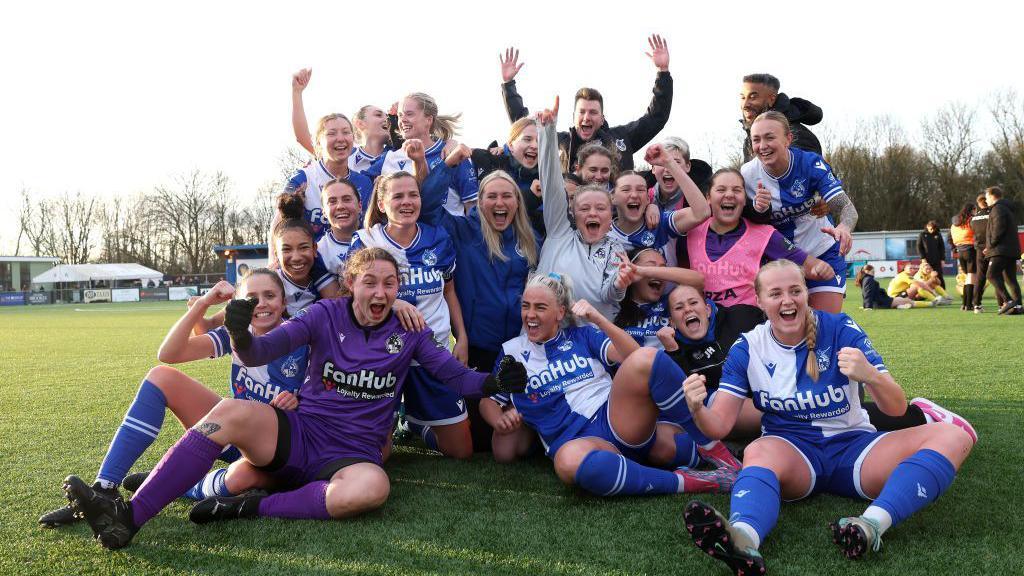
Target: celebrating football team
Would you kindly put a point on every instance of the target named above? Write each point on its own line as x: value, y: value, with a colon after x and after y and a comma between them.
x: 544, y: 297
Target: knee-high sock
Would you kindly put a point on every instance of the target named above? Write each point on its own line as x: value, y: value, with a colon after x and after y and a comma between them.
x: 426, y: 433
x: 610, y: 474
x: 686, y: 452
x: 939, y: 290
x: 968, y: 300
x: 755, y: 500
x: 137, y: 431
x: 883, y: 422
x: 922, y: 303
x: 181, y: 467
x: 914, y: 483
x: 666, y: 386
x: 212, y: 484
x: 308, y: 502
x: 925, y: 295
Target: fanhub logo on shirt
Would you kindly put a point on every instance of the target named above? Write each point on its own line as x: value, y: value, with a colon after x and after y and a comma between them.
x: 362, y: 385
x: 806, y: 405
x: 415, y: 276
x: 568, y: 371
x: 252, y: 388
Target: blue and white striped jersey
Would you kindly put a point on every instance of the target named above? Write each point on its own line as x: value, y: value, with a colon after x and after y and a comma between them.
x: 793, y: 196
x: 425, y: 265
x: 463, y: 187
x: 261, y: 383
x: 568, y: 380
x: 774, y: 375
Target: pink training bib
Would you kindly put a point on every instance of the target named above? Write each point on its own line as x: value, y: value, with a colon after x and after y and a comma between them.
x: 730, y: 279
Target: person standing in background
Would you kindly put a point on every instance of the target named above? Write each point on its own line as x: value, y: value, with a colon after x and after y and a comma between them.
x: 931, y: 248
x: 1003, y: 249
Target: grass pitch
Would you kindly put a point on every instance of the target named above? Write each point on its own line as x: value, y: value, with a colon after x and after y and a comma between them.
x: 68, y: 373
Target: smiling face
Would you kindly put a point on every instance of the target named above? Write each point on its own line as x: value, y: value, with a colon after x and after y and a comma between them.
x: 596, y: 169
x: 593, y: 214
x: 666, y: 183
x: 630, y: 199
x: 541, y: 314
x: 770, y: 143
x: 689, y: 312
x: 498, y: 203
x: 412, y: 122
x: 336, y: 140
x: 271, y: 304
x: 295, y: 254
x: 782, y: 294
x: 372, y: 122
x: 341, y: 203
x: 589, y: 117
x: 648, y: 290
x: 400, y: 202
x: 754, y: 99
x: 524, y: 147
x: 727, y: 198
x: 373, y: 292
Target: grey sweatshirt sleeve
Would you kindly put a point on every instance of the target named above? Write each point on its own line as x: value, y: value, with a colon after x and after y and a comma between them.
x: 556, y: 203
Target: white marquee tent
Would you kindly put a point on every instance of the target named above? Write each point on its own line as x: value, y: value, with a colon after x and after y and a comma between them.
x: 97, y: 272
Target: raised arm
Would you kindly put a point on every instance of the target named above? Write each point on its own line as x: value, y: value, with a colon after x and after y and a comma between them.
x: 644, y: 129
x: 259, y: 350
x: 697, y: 208
x: 180, y: 345
x: 555, y: 200
x: 299, y: 123
x: 622, y: 343
x: 672, y: 274
x: 510, y: 66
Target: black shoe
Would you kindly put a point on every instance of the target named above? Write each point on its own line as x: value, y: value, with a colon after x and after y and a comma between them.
x: 855, y: 535
x: 110, y: 517
x: 132, y: 481
x: 217, y: 508
x: 1009, y: 306
x: 712, y: 534
x: 66, y: 515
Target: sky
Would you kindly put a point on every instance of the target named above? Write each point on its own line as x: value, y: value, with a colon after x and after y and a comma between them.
x: 113, y: 98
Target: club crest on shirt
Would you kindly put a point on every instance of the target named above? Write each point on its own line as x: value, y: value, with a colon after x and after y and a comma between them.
x: 824, y: 359
x: 647, y: 238
x: 600, y: 252
x: 429, y: 257
x: 290, y: 367
x: 798, y: 189
x: 394, y: 344
x: 658, y: 308
x: 565, y: 346
x: 621, y: 144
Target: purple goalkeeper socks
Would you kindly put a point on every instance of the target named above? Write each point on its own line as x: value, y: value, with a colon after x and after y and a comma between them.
x: 306, y: 503
x: 180, y: 468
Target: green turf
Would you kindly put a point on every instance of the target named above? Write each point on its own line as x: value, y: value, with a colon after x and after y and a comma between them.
x: 68, y: 375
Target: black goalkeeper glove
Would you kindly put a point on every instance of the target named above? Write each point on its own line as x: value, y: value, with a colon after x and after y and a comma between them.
x: 510, y: 379
x: 237, y: 316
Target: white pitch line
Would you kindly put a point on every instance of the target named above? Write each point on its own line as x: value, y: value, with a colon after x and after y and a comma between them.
x: 119, y: 309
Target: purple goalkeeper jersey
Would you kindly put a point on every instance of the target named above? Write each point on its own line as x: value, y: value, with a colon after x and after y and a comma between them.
x: 356, y: 373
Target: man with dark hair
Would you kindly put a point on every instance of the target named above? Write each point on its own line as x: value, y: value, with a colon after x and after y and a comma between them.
x: 589, y: 121
x: 932, y: 249
x: 1003, y: 249
x: 760, y: 93
x: 979, y: 225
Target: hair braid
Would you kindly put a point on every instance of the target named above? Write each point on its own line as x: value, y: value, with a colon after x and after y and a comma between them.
x: 811, y: 334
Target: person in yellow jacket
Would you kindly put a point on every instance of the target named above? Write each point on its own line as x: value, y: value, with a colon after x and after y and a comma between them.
x: 904, y: 284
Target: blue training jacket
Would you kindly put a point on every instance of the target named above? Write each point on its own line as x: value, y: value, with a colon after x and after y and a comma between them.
x: 489, y: 292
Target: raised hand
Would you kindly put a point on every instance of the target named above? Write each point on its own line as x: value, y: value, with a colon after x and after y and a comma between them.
x: 763, y: 198
x: 842, y: 235
x: 546, y: 117
x: 301, y: 79
x: 510, y: 379
x: 221, y: 292
x: 667, y: 336
x: 237, y: 316
x: 627, y: 272
x: 585, y: 310
x: 655, y: 155
x: 535, y: 188
x: 413, y: 148
x: 457, y: 155
x: 820, y: 270
x: 854, y: 365
x: 659, y: 52
x: 695, y: 388
x: 510, y: 64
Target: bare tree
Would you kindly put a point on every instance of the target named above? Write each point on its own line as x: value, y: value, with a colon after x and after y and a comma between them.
x: 188, y: 211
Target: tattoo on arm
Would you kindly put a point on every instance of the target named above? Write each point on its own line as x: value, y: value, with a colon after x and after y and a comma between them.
x: 207, y: 428
x: 842, y: 207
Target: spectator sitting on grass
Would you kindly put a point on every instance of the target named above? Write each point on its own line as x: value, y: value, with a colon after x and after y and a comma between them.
x: 932, y: 278
x: 875, y: 297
